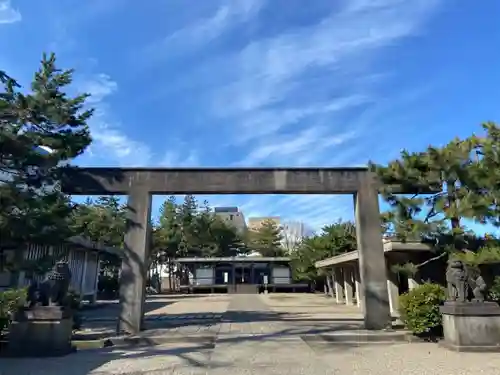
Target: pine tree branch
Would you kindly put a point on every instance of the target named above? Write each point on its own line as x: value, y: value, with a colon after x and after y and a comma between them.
x: 442, y: 255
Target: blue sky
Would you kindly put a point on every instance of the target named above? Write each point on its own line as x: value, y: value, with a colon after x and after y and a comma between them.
x: 266, y: 83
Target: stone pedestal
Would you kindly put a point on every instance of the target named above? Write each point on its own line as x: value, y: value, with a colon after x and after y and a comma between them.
x: 471, y: 327
x: 43, y: 331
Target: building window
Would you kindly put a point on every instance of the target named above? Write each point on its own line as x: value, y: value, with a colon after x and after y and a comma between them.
x: 231, y: 217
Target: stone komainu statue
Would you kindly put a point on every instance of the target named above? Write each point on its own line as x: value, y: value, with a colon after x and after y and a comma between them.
x: 460, y: 280
x: 456, y: 280
x: 478, y: 286
x: 53, y: 290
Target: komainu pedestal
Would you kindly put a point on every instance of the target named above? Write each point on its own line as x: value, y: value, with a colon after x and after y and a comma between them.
x: 471, y: 326
x: 41, y: 331
x: 44, y: 328
x: 469, y: 322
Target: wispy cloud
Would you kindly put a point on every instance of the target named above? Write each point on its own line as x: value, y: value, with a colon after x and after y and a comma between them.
x: 174, y: 159
x: 286, y: 97
x: 110, y: 139
x: 111, y: 143
x: 315, y: 210
x: 262, y: 123
x: 282, y: 150
x: 8, y: 14
x: 295, y: 94
x: 271, y: 86
x: 205, y: 30
x: 99, y: 87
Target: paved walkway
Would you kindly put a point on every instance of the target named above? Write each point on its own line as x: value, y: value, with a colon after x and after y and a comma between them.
x: 265, y: 335
x: 180, y: 315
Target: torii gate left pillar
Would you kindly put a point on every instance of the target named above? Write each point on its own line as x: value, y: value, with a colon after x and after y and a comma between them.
x: 135, y: 261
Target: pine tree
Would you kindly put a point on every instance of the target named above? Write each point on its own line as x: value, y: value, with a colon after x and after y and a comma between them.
x: 486, y: 182
x: 267, y: 239
x: 334, y: 239
x: 338, y: 238
x: 102, y: 221
x: 188, y: 212
x: 32, y: 207
x: 226, y: 239
x: 167, y: 236
x: 213, y: 237
x: 303, y: 259
x: 434, y: 218
x: 200, y: 232
x: 169, y: 230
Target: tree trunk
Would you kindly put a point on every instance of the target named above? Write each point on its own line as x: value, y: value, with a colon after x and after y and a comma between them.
x: 452, y: 203
x: 170, y: 274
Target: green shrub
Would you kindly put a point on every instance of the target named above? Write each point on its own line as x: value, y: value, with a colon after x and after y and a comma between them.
x: 10, y: 301
x: 494, y: 292
x: 419, y: 308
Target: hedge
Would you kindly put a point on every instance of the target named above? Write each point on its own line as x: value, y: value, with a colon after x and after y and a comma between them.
x: 419, y: 308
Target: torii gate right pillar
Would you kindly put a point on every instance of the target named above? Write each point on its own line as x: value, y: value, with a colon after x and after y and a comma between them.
x: 372, y: 268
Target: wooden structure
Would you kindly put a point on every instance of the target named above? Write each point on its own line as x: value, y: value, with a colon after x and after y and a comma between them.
x: 83, y: 257
x: 239, y: 275
x: 343, y: 280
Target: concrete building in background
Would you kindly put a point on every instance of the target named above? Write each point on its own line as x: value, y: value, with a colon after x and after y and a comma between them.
x: 254, y: 223
x: 232, y: 216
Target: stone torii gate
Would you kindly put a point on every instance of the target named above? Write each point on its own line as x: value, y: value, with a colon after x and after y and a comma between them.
x: 141, y: 183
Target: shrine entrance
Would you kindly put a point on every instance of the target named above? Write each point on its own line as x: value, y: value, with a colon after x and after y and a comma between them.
x: 141, y: 183
x: 224, y: 275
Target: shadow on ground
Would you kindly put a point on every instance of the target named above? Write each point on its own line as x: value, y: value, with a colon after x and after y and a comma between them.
x: 170, y: 321
x: 111, y: 309
x: 195, y: 354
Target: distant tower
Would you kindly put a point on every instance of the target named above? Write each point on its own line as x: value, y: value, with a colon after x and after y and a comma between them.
x: 232, y: 216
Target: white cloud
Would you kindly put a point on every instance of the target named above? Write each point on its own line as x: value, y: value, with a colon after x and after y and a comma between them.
x: 229, y: 14
x: 285, y: 97
x: 268, y: 93
x: 205, y: 30
x: 282, y: 150
x: 258, y: 79
x: 8, y: 14
x: 99, y: 87
x: 314, y: 210
x: 115, y: 145
x: 110, y: 142
x: 174, y: 159
x: 260, y: 124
